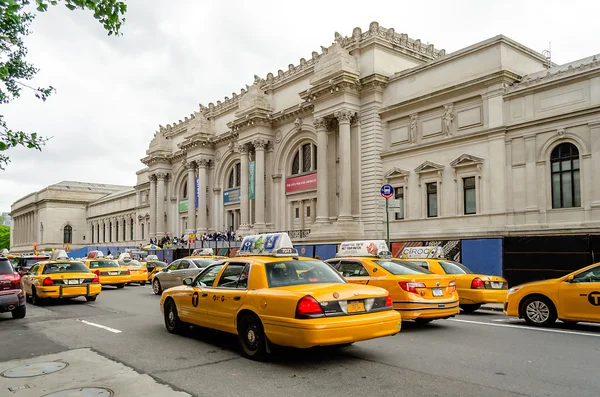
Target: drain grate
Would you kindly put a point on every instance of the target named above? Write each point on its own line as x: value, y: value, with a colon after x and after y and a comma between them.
x: 82, y: 392
x: 37, y: 369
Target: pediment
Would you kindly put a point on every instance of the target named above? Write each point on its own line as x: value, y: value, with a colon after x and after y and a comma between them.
x: 466, y: 160
x: 396, y: 173
x: 429, y: 166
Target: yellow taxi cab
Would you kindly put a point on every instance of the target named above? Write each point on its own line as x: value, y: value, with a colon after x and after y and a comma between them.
x: 60, y: 277
x: 137, y: 272
x: 268, y: 295
x: 108, y: 270
x: 474, y: 290
x: 572, y: 298
x: 418, y: 294
x: 153, y: 265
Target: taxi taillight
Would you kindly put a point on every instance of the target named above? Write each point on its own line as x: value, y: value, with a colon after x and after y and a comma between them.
x: 410, y: 286
x: 128, y: 272
x: 97, y: 272
x: 452, y: 286
x: 308, y: 307
x: 96, y: 277
x: 389, y: 301
x: 47, y: 281
x: 477, y: 283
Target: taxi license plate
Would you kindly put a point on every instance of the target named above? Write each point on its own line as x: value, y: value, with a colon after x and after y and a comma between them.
x: 496, y: 285
x: 356, y: 307
x: 113, y: 273
x: 437, y: 292
x: 75, y: 281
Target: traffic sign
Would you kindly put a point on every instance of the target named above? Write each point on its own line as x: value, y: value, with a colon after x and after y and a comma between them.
x: 387, y: 191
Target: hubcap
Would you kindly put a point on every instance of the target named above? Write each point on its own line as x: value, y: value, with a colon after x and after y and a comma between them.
x: 251, y: 336
x: 538, y: 311
x: 171, y: 315
x: 156, y: 286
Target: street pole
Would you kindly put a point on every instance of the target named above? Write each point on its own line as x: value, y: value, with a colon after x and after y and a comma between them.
x: 387, y: 222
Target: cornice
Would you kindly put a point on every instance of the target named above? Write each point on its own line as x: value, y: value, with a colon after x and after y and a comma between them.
x: 292, y: 112
x: 337, y: 85
x: 227, y: 137
x: 253, y: 119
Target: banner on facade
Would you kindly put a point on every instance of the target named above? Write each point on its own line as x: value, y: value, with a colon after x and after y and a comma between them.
x: 197, y: 192
x: 252, y: 180
x: 231, y: 196
x: 299, y: 183
x: 183, y: 205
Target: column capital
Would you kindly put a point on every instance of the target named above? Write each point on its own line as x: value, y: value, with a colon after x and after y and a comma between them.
x: 243, y: 149
x: 162, y: 176
x: 203, y: 163
x: 344, y: 116
x: 260, y: 144
x: 152, y: 177
x: 190, y: 165
x: 320, y: 123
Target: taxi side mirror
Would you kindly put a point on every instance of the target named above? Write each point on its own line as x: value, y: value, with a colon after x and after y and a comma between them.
x: 187, y: 281
x: 570, y: 279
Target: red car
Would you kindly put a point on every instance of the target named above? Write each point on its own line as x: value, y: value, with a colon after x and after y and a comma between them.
x: 12, y: 298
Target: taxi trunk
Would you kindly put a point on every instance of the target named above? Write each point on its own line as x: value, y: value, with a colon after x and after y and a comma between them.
x: 67, y: 286
x: 424, y: 297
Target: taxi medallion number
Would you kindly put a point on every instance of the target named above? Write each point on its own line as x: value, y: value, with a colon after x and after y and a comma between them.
x: 356, y: 307
x: 437, y: 292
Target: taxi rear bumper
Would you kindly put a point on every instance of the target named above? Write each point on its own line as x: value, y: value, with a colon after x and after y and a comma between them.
x: 331, y: 331
x: 427, y: 310
x: 68, y: 291
x: 115, y: 280
x: 477, y: 296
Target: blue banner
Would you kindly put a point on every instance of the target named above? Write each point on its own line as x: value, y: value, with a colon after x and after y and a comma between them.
x: 231, y: 196
x: 252, y: 180
x: 197, y: 192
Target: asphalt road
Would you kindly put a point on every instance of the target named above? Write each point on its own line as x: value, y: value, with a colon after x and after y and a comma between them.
x: 484, y: 354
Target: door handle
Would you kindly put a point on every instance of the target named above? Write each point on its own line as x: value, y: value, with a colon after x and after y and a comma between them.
x: 204, y: 295
x: 237, y: 298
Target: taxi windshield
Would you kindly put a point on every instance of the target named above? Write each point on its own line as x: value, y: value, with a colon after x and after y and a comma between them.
x: 99, y: 264
x: 65, y: 267
x: 297, y: 272
x: 454, y: 268
x: 202, y: 263
x: 397, y: 267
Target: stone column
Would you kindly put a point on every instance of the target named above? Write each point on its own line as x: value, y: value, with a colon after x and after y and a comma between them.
x: 345, y: 212
x: 322, y: 171
x: 290, y: 215
x: 152, y: 232
x: 191, y: 197
x: 259, y: 172
x: 312, y: 210
x: 160, y: 204
x: 275, y: 202
x: 202, y: 170
x: 244, y: 193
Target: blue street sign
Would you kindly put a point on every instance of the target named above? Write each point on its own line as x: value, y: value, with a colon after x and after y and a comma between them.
x: 387, y: 192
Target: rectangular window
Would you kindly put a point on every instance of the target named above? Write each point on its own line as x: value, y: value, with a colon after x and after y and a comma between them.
x: 469, y: 196
x: 308, y: 211
x: 432, y: 200
x: 297, y: 213
x: 399, y: 195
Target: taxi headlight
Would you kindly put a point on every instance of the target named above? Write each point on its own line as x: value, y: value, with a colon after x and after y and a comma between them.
x: 513, y: 290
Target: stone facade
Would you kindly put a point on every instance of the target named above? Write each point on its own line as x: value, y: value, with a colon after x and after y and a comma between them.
x: 490, y: 140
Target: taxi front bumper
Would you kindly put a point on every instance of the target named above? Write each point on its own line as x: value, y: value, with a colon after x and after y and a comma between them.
x: 511, y: 307
x: 68, y: 291
x: 427, y: 310
x: 331, y: 331
x: 115, y: 280
x: 477, y: 296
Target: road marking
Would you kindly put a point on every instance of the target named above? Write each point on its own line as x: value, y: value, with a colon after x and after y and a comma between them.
x: 500, y: 321
x: 116, y: 331
x: 557, y: 331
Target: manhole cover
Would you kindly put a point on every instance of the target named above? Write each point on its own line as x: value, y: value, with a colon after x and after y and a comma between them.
x: 82, y: 392
x: 29, y: 370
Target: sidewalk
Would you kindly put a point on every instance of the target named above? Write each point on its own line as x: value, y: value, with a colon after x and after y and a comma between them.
x: 81, y: 371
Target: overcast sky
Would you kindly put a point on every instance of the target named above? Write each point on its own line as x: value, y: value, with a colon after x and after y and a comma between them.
x: 113, y: 92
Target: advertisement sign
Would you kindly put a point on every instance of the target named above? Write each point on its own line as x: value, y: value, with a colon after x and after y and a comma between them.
x: 299, y: 183
x: 231, y: 196
x: 275, y: 244
x: 422, y: 252
x: 376, y: 248
x: 197, y: 192
x: 183, y: 205
x: 252, y: 179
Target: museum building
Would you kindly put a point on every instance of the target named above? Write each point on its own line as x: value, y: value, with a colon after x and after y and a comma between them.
x: 488, y: 141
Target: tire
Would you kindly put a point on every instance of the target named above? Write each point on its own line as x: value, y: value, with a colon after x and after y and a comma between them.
x: 252, y: 338
x: 172, y: 322
x: 467, y: 309
x: 538, y: 311
x: 142, y: 283
x: 119, y: 286
x: 423, y: 320
x: 35, y: 299
x: 19, y: 312
x: 90, y: 298
x: 156, y: 287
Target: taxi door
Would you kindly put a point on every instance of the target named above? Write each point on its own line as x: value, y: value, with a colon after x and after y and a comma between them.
x: 195, y: 301
x: 28, y: 279
x: 580, y: 298
x: 354, y: 271
x: 227, y: 295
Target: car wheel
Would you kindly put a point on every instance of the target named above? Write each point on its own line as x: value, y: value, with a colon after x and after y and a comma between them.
x: 19, y: 312
x: 470, y: 308
x: 539, y: 311
x: 35, y: 299
x: 142, y: 283
x: 156, y: 287
x: 90, y: 298
x: 121, y: 285
x: 172, y: 322
x: 252, y: 337
x: 423, y: 320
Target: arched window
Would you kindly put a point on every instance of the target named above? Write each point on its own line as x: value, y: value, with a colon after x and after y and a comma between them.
x: 93, y: 229
x: 124, y: 231
x: 110, y: 232
x: 564, y: 162
x: 98, y: 233
x: 68, y: 234
x: 117, y: 231
x: 104, y: 232
x: 131, y: 229
x: 142, y: 227
x: 305, y: 159
x: 185, y: 190
x: 235, y: 175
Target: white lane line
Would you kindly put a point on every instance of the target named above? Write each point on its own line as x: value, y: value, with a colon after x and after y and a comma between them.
x: 526, y: 328
x: 116, y: 331
x: 500, y: 321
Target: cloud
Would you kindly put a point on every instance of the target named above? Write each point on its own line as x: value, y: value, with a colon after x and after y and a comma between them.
x: 113, y: 92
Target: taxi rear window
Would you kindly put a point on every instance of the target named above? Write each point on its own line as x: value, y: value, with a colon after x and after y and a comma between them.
x: 99, y: 264
x: 66, y: 267
x: 296, y: 272
x: 454, y: 268
x: 397, y: 267
x: 129, y: 263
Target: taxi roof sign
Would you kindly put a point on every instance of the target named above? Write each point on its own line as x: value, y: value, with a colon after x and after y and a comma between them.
x: 271, y: 244
x: 124, y: 256
x: 96, y: 254
x: 152, y: 258
x: 59, y: 255
x: 203, y: 252
x: 373, y: 248
x: 431, y: 252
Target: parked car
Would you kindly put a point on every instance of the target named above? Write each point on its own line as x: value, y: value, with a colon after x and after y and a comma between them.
x: 11, y: 290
